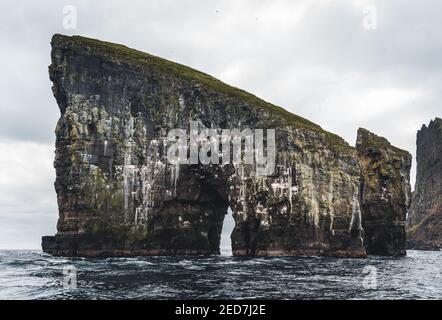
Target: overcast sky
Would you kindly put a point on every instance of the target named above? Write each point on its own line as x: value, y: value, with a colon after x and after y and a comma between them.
x: 315, y: 58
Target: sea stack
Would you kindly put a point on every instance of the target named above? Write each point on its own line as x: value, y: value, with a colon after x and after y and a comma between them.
x: 385, y: 194
x: 118, y: 195
x: 425, y: 216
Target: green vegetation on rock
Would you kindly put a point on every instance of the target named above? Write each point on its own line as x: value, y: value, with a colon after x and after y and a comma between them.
x: 120, y: 53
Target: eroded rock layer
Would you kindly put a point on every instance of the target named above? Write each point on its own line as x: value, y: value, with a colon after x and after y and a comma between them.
x: 425, y: 216
x: 385, y: 195
x: 119, y: 195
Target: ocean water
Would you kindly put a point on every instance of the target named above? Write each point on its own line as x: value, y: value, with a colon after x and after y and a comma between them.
x: 35, y: 275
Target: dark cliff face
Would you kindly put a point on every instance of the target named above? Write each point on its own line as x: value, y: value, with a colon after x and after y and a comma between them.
x: 386, y: 194
x: 425, y: 216
x: 118, y: 194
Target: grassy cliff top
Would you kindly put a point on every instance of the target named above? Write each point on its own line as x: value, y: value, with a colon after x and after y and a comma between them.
x: 117, y: 52
x: 367, y: 138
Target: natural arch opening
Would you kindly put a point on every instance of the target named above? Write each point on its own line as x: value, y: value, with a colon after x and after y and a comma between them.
x: 226, y: 241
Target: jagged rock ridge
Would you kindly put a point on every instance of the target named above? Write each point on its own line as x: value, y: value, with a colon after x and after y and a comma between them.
x: 118, y: 195
x: 425, y: 216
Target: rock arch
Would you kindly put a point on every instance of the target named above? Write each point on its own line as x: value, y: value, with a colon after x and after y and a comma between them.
x: 118, y: 195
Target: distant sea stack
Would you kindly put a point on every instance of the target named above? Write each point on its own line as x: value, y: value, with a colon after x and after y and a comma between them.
x: 425, y: 216
x: 118, y: 195
x: 386, y: 194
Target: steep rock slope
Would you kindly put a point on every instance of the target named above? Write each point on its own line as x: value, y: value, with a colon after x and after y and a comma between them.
x: 386, y: 194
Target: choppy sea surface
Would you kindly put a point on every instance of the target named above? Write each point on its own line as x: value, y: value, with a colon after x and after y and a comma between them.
x: 34, y: 275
